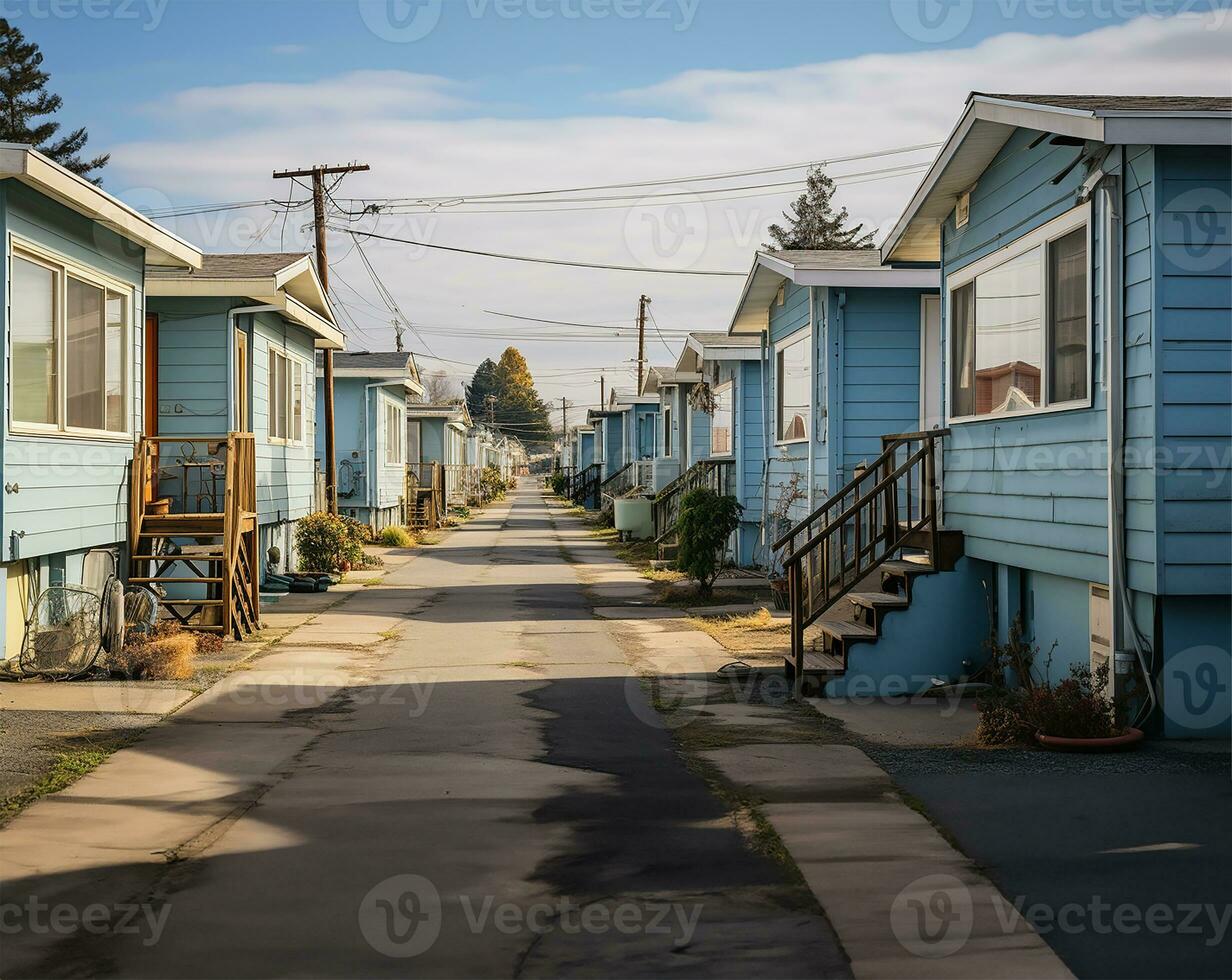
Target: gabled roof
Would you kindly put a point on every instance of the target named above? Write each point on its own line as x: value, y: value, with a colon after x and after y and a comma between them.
x: 622, y: 399
x: 286, y: 280
x: 988, y: 121
x: 710, y: 345
x: 822, y: 267
x: 380, y: 365
x: 665, y: 375
x: 25, y: 164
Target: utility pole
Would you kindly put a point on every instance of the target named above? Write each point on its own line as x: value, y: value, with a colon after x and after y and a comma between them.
x: 398, y: 329
x: 490, y: 401
x: 642, y: 303
x: 318, y: 175
x: 602, y: 392
x: 564, y: 418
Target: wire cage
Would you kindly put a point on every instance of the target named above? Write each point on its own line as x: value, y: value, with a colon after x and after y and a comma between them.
x: 63, y: 632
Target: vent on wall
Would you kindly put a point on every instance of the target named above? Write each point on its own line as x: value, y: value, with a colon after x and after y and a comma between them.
x: 962, y: 210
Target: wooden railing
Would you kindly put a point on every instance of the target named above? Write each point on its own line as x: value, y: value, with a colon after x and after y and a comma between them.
x: 893, y: 498
x: 193, y: 522
x: 424, y: 480
x: 620, y: 482
x: 717, y: 474
x: 461, y: 482
x: 584, y: 485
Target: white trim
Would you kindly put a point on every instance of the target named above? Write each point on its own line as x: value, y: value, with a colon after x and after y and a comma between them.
x: 47, y: 177
x: 1045, y: 234
x: 729, y: 384
x: 939, y: 353
x: 803, y: 334
x: 64, y: 266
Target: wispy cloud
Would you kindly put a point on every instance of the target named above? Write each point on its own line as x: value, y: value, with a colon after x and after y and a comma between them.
x: 288, y: 49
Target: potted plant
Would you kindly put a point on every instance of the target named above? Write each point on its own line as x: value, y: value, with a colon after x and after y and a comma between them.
x: 791, y: 492
x: 1024, y: 707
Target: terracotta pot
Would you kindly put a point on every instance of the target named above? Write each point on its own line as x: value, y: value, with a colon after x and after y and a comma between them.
x: 1117, y: 743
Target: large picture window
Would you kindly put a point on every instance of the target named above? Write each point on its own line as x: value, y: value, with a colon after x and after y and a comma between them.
x: 69, y: 356
x: 791, y: 380
x: 721, y: 423
x: 1019, y: 325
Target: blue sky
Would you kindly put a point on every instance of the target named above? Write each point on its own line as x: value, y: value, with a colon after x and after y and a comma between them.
x: 199, y: 100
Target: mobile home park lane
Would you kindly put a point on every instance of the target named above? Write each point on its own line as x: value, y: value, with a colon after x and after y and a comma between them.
x: 499, y: 751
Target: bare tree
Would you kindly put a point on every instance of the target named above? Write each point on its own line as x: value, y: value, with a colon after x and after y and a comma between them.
x: 440, y: 388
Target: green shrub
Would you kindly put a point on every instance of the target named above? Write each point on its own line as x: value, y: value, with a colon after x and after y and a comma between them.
x: 560, y: 483
x: 395, y: 537
x: 326, y: 542
x: 491, y: 484
x: 705, y: 522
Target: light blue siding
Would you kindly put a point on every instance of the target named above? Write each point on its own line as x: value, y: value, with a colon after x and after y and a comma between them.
x: 285, y: 472
x: 432, y: 440
x: 73, y: 490
x: 586, y: 450
x: 193, y: 366
x: 1028, y: 491
x: 880, y: 372
x: 1194, y: 415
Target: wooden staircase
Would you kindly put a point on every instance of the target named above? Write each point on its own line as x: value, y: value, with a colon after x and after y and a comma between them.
x: 423, y: 499
x: 584, y: 485
x: 854, y: 560
x: 193, y: 529
x: 717, y: 474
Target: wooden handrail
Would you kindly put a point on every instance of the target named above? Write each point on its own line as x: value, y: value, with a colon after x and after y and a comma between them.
x: 889, y: 444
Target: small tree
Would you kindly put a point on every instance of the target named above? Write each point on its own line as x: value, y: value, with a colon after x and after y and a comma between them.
x: 814, y: 224
x: 705, y: 522
x: 24, y: 100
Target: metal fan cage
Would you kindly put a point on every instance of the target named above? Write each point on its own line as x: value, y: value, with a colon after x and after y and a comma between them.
x: 63, y: 633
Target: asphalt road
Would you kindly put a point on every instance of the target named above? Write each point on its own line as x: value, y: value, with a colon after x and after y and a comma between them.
x: 483, y: 798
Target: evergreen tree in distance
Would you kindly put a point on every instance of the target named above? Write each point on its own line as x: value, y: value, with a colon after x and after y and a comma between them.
x: 503, y: 392
x: 25, y: 102
x: 814, y: 224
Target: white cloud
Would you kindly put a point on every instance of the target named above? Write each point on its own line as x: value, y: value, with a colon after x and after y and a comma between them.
x: 288, y: 49
x: 694, y: 122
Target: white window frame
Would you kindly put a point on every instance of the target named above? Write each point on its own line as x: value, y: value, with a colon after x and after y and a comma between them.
x: 63, y: 267
x: 1043, y: 236
x: 395, y: 420
x: 727, y: 387
x: 804, y: 335
x: 293, y: 437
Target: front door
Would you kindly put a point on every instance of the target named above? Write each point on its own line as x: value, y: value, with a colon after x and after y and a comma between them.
x: 241, y: 381
x: 930, y: 363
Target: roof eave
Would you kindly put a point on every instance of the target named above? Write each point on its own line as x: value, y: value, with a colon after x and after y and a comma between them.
x: 162, y: 248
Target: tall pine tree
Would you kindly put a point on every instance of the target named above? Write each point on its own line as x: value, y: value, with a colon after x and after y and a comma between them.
x: 25, y: 101
x: 814, y: 224
x: 504, y: 392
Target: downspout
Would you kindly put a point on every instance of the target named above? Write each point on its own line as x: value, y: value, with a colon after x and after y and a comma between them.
x: 814, y: 417
x: 1124, y: 627
x: 236, y: 423
x: 765, y: 439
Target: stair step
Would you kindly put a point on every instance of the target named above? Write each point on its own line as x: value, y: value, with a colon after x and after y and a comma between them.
x: 879, y: 600
x: 909, y: 565
x: 846, y: 632
x: 209, y: 556
x: 192, y: 579
x: 815, y: 660
x: 191, y: 602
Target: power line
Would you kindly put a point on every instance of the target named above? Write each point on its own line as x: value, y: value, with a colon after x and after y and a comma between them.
x: 540, y: 261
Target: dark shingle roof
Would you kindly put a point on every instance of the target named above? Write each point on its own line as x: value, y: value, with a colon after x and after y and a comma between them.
x: 1124, y: 103
x: 232, y: 265
x: 830, y: 258
x: 379, y: 360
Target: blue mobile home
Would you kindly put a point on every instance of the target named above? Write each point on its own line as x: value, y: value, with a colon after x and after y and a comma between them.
x: 731, y: 432
x: 1115, y: 211
x: 1084, y: 371
x: 672, y: 454
x: 436, y: 435
x: 74, y: 302
x: 370, y: 399
x: 233, y: 351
